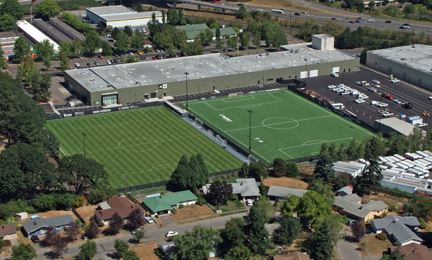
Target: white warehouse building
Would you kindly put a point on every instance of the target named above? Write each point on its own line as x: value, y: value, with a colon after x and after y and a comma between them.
x: 412, y: 63
x: 120, y: 16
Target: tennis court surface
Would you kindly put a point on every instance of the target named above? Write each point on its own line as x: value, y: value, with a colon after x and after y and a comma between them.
x: 283, y: 124
x: 144, y: 145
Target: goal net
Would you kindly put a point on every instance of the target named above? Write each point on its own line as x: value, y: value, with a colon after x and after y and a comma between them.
x: 236, y: 94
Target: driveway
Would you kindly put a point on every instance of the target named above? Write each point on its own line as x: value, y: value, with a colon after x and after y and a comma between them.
x: 347, y: 249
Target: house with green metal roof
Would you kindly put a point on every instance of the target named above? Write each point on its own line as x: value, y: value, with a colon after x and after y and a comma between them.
x: 162, y: 204
x: 195, y: 29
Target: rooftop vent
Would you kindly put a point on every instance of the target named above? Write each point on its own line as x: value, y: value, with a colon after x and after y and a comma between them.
x: 101, y: 87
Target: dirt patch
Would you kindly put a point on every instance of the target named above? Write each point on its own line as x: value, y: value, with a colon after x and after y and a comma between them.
x: 146, y: 251
x: 87, y: 212
x: 54, y: 213
x: 376, y: 246
x: 192, y: 211
x: 286, y: 183
x: 387, y: 199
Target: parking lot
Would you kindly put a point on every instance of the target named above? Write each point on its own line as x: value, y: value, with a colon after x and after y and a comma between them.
x: 366, y: 112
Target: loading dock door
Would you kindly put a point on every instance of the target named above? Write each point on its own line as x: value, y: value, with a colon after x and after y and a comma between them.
x: 303, y: 74
x: 313, y: 73
x: 335, y: 69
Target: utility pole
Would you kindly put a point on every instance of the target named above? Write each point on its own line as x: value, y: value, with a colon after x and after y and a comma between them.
x: 250, y: 131
x: 290, y: 19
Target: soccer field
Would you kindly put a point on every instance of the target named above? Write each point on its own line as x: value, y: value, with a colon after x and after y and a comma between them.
x: 283, y: 124
x: 144, y: 144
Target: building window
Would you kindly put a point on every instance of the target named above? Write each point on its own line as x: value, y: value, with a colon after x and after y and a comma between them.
x: 109, y: 99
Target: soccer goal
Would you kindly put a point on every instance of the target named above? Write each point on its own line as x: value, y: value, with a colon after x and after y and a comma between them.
x: 236, y: 94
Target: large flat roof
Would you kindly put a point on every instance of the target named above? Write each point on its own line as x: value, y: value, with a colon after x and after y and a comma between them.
x: 203, y: 66
x: 415, y: 56
x: 120, y: 12
x: 397, y: 124
x: 107, y: 10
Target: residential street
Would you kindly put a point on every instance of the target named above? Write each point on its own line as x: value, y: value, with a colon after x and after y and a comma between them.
x: 106, y: 244
x: 346, y: 249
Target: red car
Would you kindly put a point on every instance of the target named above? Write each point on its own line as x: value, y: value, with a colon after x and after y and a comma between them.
x: 100, y: 56
x: 154, y: 58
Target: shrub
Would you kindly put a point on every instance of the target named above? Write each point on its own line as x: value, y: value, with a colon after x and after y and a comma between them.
x: 181, y: 206
x: 234, y: 197
x: 85, y: 228
x: 381, y: 236
x: 101, y: 224
x: 423, y: 224
x: 174, y: 211
x: 393, y: 208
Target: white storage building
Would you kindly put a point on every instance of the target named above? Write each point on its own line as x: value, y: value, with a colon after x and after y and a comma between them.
x: 34, y: 34
x: 121, y: 16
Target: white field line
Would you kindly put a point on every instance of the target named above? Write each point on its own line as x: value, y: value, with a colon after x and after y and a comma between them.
x: 212, y: 165
x: 247, y: 147
x: 220, y: 109
x: 331, y: 113
x: 285, y: 153
x: 305, y: 119
x: 318, y: 142
x: 63, y: 151
x: 233, y: 99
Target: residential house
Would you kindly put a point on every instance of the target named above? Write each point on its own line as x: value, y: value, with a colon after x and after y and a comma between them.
x: 162, y: 204
x: 118, y: 204
x: 244, y: 188
x: 413, y: 251
x: 351, y: 206
x: 166, y: 248
x: 399, y: 229
x: 280, y: 193
x: 292, y: 256
x: 347, y: 190
x: 39, y: 226
x: 8, y: 231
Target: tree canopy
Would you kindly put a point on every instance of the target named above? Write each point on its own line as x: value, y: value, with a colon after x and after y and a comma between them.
x: 314, y: 207
x: 48, y: 8
x: 258, y: 237
x: 87, y: 250
x: 323, y: 247
x: 13, y: 8
x: 233, y: 235
x: 22, y: 49
x: 190, y: 174
x: 7, y: 22
x: 288, y: 231
x: 92, y: 42
x: 324, y: 169
x: 220, y: 192
x: 23, y: 252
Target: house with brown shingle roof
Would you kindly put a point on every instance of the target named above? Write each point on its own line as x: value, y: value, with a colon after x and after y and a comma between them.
x: 118, y: 204
x: 413, y: 252
x: 8, y: 231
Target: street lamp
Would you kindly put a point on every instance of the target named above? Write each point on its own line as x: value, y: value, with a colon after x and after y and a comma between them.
x: 306, y: 71
x: 84, y: 135
x: 250, y: 130
x: 31, y: 16
x: 187, y: 97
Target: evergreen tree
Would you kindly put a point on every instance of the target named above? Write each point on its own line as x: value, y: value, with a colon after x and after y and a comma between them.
x: 194, y: 173
x: 279, y: 167
x: 292, y: 169
x: 323, y: 247
x: 324, y: 169
x: 415, y: 140
x: 233, y: 235
x: 204, y: 174
x: 219, y: 44
x: 258, y: 236
x: 180, y: 176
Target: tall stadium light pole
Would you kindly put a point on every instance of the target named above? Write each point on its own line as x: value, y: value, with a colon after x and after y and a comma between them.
x: 307, y: 73
x: 187, y: 97
x: 250, y: 131
x: 84, y: 135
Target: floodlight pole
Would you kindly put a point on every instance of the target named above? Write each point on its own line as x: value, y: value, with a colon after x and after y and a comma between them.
x: 31, y: 16
x: 307, y: 73
x: 250, y: 131
x: 187, y: 96
x: 84, y: 135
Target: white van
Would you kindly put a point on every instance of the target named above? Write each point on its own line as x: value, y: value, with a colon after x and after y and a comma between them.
x: 338, y: 105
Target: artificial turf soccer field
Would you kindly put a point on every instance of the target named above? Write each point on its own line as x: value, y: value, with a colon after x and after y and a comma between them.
x: 283, y: 124
x: 145, y: 144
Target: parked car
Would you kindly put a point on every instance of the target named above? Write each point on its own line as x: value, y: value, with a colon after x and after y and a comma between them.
x: 375, y: 81
x: 88, y: 64
x: 154, y: 58
x: 396, y: 101
x: 96, y: 63
x: 171, y: 234
x: 35, y: 239
x: 71, y: 97
x: 388, y: 21
x: 100, y: 56
x: 335, y: 75
x: 108, y: 62
x: 373, y: 90
x: 77, y: 65
x: 407, y: 105
x: 249, y: 202
x: 149, y: 220
x: 395, y: 80
x: 139, y: 52
x: 430, y: 97
x: 359, y: 101
x: 387, y: 114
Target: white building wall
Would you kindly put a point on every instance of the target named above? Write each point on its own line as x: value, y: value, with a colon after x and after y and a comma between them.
x: 132, y: 23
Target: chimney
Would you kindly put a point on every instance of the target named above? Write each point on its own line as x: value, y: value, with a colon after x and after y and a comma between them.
x: 132, y: 206
x: 3, y: 227
x: 396, y: 221
x: 241, y: 183
x: 35, y: 223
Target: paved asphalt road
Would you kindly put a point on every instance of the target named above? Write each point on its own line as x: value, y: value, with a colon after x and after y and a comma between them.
x: 105, y: 245
x: 346, y: 249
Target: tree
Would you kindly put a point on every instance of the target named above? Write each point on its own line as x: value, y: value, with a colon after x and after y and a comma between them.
x: 290, y: 206
x: 106, y: 49
x: 21, y: 49
x: 257, y: 39
x: 137, y: 42
x: 219, y: 44
x: 203, y: 174
x: 415, y: 140
x: 92, y: 42
x: 244, y: 39
x: 87, y: 250
x: 322, y: 188
x: 100, y: 194
x: 372, y: 4
x: 324, y: 169
x: 292, y: 169
x: 50, y: 142
x: 136, y: 218
x: 45, y: 50
x: 195, y: 245
x: 64, y: 61
x: 233, y: 234
x: 128, y: 31
x: 395, y: 255
x: 3, y: 64
x: 27, y: 70
x: 279, y: 167
x: 242, y: 13
x: 323, y: 247
x: 358, y: 230
x: 122, y: 43
x: 13, y: 8
x: 397, y: 144
x: 139, y: 234
x: 314, y: 207
x: 266, y: 208
x: 409, y: 9
x: 257, y: 170
x: 93, y: 230
x: 115, y: 224
x: 220, y: 192
x: 232, y: 42
x: 23, y: 252
x: 50, y: 236
x: 342, y: 179
x: 355, y: 149
x: 258, y: 241
x: 238, y: 253
x: 80, y: 171
x: 59, y: 246
x: 131, y: 255
x: 115, y: 33
x: 179, y: 178
x: 420, y: 207
x: 73, y: 231
x: 120, y: 247
x: 7, y: 22
x: 288, y: 231
x: 48, y: 8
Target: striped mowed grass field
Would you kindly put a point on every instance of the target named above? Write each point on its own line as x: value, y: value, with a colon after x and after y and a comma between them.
x: 143, y: 144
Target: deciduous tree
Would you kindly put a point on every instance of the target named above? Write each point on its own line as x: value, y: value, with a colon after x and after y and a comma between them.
x: 115, y: 224
x: 313, y: 207
x: 120, y: 247
x: 242, y: 13
x: 238, y: 253
x: 128, y: 31
x: 48, y: 8
x: 220, y: 192
x: 64, y: 61
x: 7, y: 22
x: 131, y: 255
x: 115, y: 33
x: 290, y: 206
x: 106, y: 49
x: 137, y: 42
x: 87, y: 250
x: 288, y: 231
x: 358, y: 230
x: 22, y: 49
x: 23, y: 252
x: 92, y: 42
x: 136, y: 218
x: 3, y: 64
x: 257, y: 170
x: 122, y: 43
x: 59, y: 246
x: 232, y: 42
x: 13, y: 8
x: 50, y: 142
x: 139, y: 234
x: 342, y: 179
x: 266, y: 207
x: 93, y: 230
x: 292, y: 169
x: 233, y: 235
x: 73, y: 231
